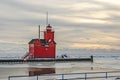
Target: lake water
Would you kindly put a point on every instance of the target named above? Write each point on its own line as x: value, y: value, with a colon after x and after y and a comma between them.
x: 101, y: 63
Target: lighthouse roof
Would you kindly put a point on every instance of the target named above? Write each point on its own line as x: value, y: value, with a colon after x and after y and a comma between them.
x: 49, y: 26
x: 43, y: 41
x: 32, y: 41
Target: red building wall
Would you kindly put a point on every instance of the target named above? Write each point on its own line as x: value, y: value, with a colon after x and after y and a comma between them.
x: 44, y: 51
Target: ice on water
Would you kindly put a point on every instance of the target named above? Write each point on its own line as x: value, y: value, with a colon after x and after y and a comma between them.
x: 102, y: 62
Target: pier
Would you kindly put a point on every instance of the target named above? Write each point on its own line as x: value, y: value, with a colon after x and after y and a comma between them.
x: 46, y: 60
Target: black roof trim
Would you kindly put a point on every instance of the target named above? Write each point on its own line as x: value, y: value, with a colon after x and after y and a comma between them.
x: 32, y: 41
x: 43, y: 41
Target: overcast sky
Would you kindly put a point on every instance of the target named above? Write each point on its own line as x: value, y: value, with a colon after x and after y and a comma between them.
x: 79, y: 24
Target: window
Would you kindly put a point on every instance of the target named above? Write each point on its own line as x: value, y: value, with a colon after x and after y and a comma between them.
x: 37, y: 44
x: 52, y: 44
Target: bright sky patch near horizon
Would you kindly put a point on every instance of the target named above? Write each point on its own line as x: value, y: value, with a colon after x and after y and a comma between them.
x: 79, y: 24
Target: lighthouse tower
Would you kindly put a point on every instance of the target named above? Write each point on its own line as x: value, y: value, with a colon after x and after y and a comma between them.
x: 49, y: 34
x: 43, y: 48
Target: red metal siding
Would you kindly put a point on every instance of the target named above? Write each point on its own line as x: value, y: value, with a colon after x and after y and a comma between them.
x: 44, y: 52
x: 49, y: 35
x: 31, y: 49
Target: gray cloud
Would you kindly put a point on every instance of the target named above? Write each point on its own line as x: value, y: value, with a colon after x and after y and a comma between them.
x: 75, y: 21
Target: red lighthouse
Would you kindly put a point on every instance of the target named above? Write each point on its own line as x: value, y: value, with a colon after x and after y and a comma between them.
x: 43, y: 48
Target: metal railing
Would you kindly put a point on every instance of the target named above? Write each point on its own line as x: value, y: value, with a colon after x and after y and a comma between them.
x: 70, y: 76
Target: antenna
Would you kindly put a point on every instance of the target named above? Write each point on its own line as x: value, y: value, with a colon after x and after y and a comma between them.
x: 47, y: 18
x: 39, y: 31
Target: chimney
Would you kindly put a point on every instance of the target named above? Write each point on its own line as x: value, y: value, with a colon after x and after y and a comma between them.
x: 39, y: 31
